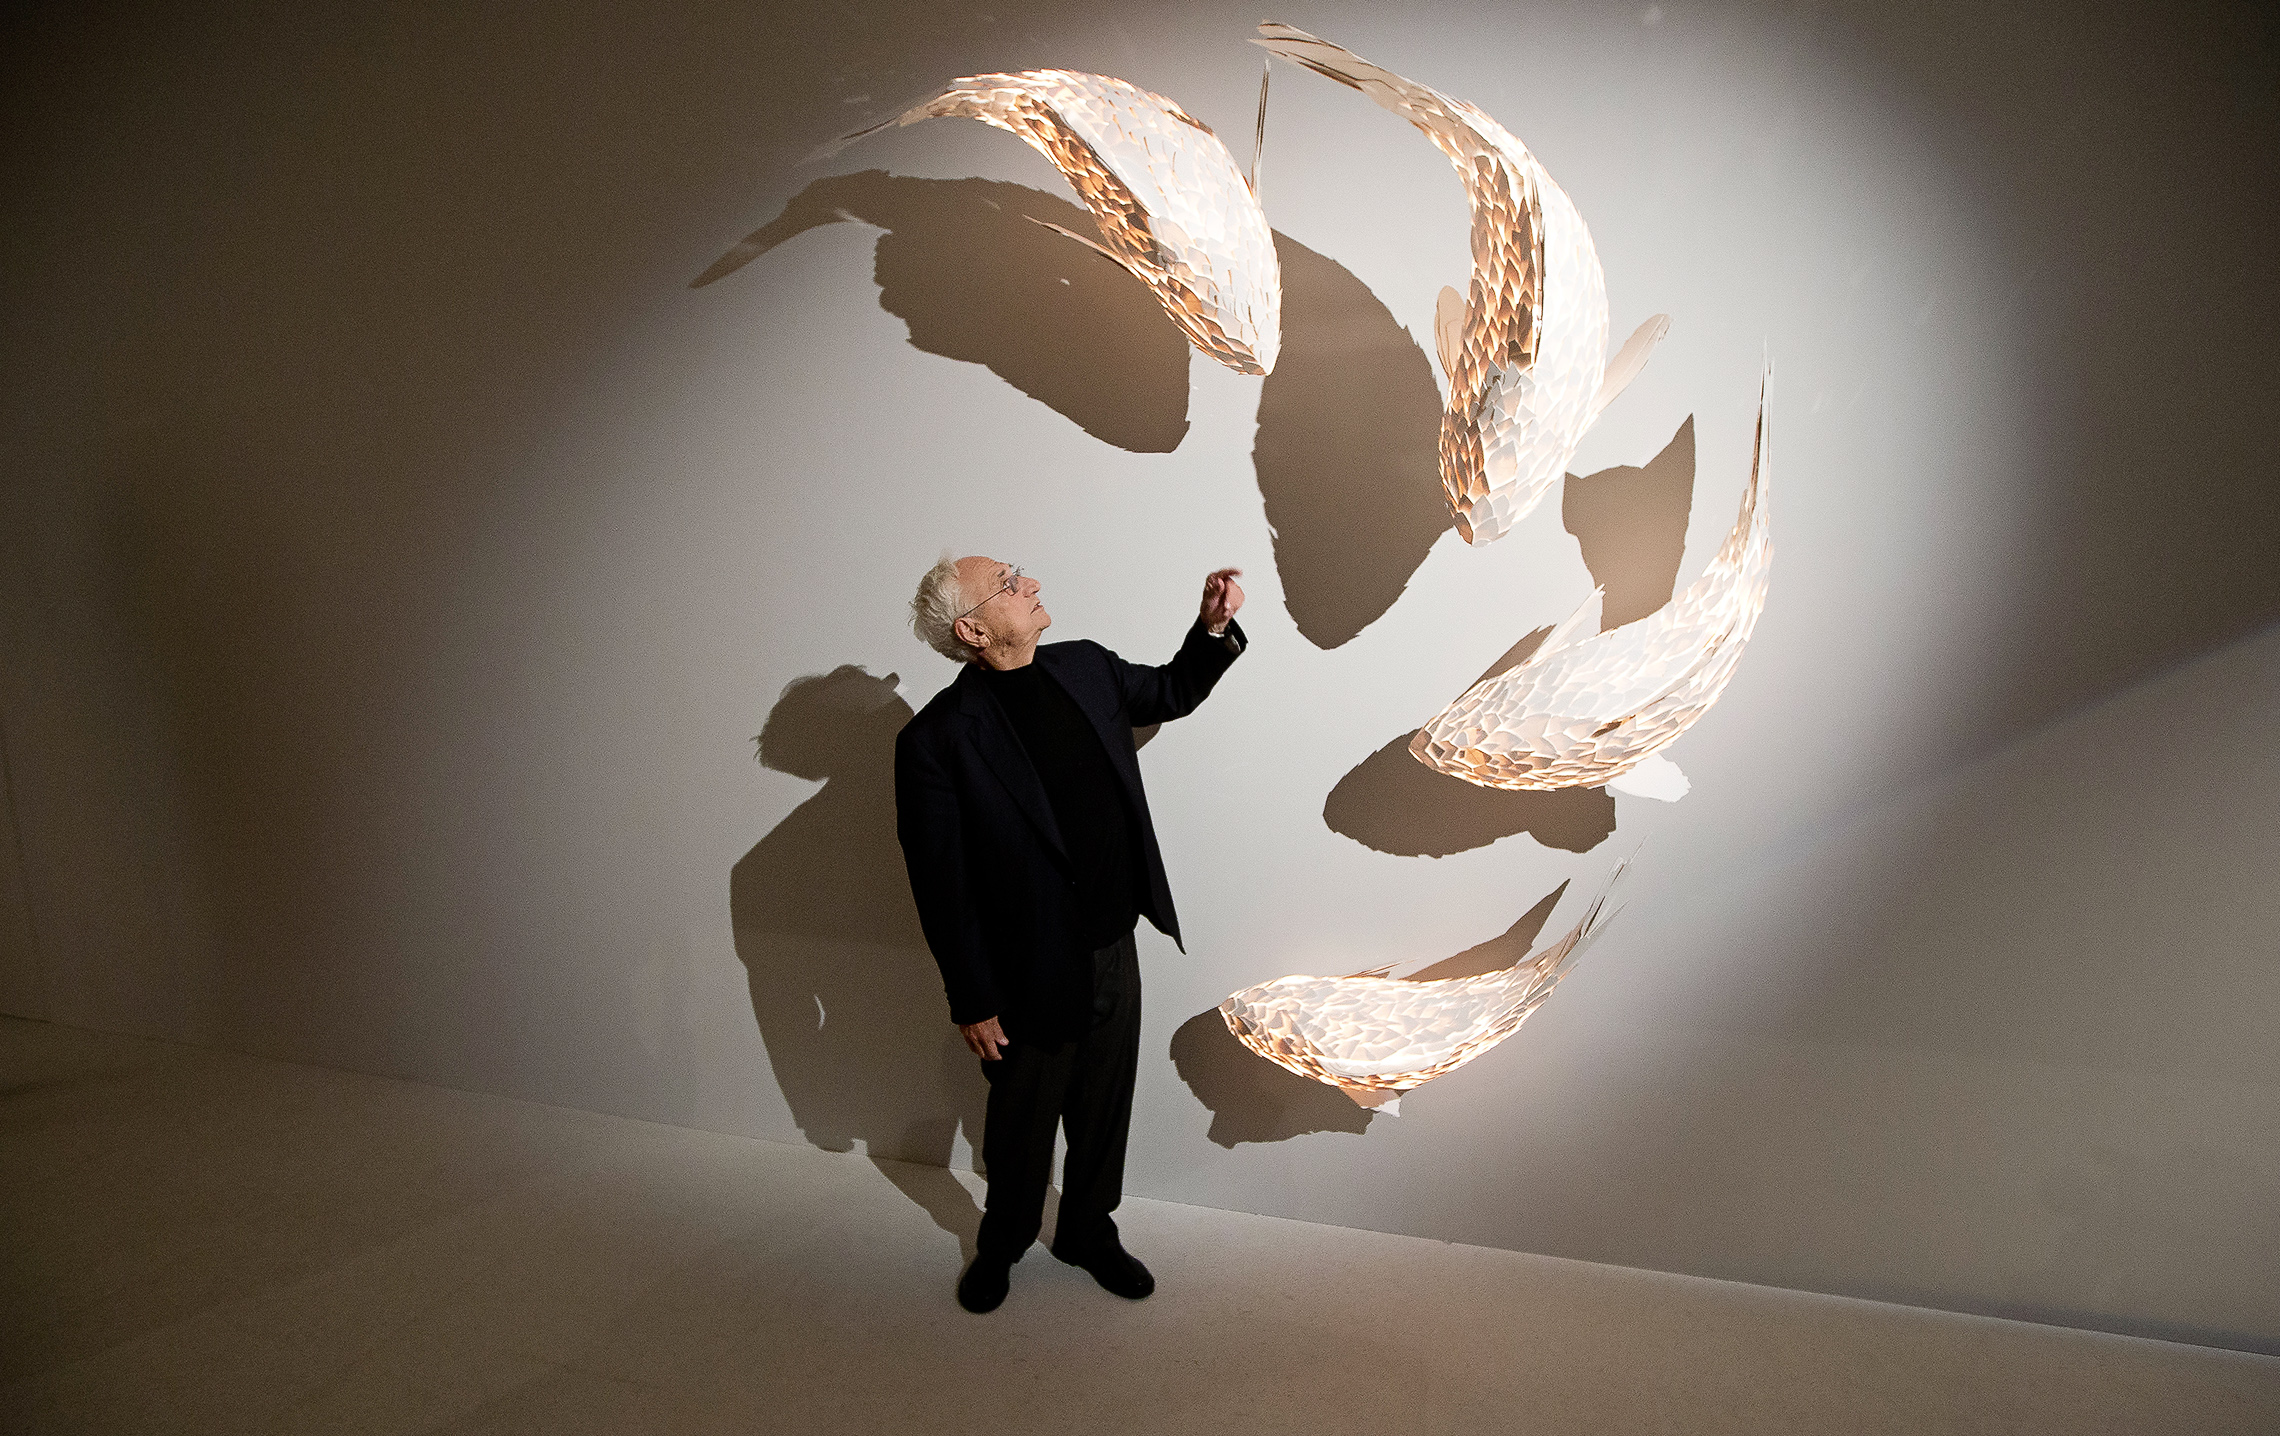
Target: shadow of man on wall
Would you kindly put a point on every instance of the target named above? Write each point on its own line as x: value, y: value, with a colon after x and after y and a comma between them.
x: 962, y: 264
x: 848, y: 998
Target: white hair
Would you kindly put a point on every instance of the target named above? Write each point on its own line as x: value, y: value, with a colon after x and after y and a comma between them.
x: 936, y: 608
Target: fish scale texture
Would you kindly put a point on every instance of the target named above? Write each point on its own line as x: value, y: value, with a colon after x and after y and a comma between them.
x: 1172, y: 206
x: 1576, y: 714
x: 1534, y: 346
x: 1388, y: 1035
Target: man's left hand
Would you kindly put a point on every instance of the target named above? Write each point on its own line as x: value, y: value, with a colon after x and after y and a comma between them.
x: 1222, y: 595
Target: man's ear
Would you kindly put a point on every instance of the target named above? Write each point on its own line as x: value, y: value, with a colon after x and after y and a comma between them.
x: 970, y: 634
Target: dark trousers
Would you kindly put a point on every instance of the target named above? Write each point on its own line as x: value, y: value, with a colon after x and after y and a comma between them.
x: 1085, y: 1086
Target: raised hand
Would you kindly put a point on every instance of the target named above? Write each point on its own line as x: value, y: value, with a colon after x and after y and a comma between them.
x: 1222, y: 596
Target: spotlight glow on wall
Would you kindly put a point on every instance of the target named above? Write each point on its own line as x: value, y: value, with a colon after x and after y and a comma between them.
x: 1526, y: 357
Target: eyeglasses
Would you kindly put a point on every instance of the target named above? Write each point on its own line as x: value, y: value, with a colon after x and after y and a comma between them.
x: 1011, y: 584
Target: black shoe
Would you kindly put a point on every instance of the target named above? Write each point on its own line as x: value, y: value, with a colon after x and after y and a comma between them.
x: 984, y: 1284
x: 1115, y: 1269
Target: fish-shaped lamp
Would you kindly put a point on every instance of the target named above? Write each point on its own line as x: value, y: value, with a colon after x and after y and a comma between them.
x: 1171, y: 204
x: 1375, y: 1037
x: 1526, y: 351
x: 1582, y: 711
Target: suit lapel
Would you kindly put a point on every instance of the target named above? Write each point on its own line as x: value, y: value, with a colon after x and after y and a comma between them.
x: 1115, y: 740
x: 991, y: 733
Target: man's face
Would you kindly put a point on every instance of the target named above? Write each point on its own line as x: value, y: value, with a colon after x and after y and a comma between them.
x: 1009, y: 618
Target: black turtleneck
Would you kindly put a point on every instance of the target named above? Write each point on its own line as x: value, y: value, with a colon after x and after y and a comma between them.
x: 1087, y: 797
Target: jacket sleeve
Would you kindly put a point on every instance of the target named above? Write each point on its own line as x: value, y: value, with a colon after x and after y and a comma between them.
x: 933, y: 843
x: 1158, y: 695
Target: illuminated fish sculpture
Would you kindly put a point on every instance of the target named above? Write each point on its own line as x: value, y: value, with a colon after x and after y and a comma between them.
x: 1526, y: 353
x: 1579, y: 712
x: 1172, y: 207
x: 1374, y: 1037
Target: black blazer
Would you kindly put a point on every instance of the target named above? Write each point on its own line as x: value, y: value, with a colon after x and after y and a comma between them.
x: 987, y: 866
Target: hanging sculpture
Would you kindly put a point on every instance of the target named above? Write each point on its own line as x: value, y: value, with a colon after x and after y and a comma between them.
x: 1172, y: 207
x: 1578, y: 712
x: 1526, y: 354
x: 1374, y: 1037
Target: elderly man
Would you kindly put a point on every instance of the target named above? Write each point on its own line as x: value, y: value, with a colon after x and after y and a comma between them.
x: 1032, y: 858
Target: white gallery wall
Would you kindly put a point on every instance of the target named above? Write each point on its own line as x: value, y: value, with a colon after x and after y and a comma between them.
x: 439, y: 641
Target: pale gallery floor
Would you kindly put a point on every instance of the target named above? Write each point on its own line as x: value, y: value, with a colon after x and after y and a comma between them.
x: 196, y: 1241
